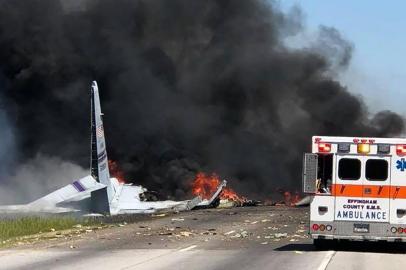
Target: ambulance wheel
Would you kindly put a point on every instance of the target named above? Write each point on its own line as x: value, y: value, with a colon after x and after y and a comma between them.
x: 321, y: 243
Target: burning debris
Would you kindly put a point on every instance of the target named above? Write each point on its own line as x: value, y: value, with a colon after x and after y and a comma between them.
x: 290, y: 199
x: 287, y: 198
x: 204, y: 185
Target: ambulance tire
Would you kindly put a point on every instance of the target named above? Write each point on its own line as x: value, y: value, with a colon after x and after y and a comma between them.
x: 322, y: 244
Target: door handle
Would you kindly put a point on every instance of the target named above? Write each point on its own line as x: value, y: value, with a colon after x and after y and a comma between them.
x: 396, y: 192
x: 367, y: 191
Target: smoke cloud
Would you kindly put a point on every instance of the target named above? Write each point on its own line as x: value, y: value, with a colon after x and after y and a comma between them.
x: 37, y: 177
x: 186, y: 86
x: 7, y: 145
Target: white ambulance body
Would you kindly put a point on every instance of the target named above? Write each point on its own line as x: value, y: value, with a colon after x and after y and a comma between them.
x: 359, y: 188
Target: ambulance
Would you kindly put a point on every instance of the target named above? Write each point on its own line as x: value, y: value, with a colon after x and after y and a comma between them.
x: 358, y: 188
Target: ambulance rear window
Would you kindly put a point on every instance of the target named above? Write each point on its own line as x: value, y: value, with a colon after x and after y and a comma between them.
x: 349, y: 169
x: 376, y: 170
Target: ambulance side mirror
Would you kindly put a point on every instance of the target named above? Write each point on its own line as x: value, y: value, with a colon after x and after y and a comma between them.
x: 309, y: 177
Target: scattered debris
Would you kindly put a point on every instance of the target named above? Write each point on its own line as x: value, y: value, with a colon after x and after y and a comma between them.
x: 158, y: 215
x: 281, y: 235
x: 165, y: 233
x: 230, y: 232
x: 305, y: 201
x: 186, y: 234
x: 273, y: 228
x: 226, y: 204
x: 241, y: 234
x: 178, y: 219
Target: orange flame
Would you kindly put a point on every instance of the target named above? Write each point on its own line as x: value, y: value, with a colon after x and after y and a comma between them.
x: 291, y: 199
x: 116, y: 172
x: 204, y: 186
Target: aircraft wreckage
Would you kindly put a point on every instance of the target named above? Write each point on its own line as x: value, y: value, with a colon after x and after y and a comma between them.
x: 98, y: 193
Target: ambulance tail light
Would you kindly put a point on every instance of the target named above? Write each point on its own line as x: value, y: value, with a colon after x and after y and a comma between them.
x: 363, y: 148
x: 324, y: 147
x: 401, y: 149
x: 398, y: 230
x: 322, y: 227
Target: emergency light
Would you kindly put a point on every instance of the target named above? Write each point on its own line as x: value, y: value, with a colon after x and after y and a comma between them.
x: 363, y: 148
x: 383, y: 148
x: 401, y: 149
x: 344, y: 147
x: 324, y: 147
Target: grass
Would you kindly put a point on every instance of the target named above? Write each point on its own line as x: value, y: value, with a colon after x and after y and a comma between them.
x: 23, y: 226
x: 26, y: 229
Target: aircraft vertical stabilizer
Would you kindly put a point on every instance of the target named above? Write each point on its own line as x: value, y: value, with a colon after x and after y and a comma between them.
x: 99, y: 168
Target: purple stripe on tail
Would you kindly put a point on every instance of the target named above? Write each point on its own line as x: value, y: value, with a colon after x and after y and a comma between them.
x: 78, y: 186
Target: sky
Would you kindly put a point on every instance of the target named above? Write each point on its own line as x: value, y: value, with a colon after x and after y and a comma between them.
x: 377, y: 30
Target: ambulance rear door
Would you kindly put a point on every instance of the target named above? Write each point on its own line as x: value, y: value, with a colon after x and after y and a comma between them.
x: 376, y: 190
x: 348, y: 185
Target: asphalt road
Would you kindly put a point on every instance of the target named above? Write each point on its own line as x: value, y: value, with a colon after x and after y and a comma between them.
x: 240, y: 238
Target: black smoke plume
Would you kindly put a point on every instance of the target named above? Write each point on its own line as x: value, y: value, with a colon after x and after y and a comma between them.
x: 186, y: 86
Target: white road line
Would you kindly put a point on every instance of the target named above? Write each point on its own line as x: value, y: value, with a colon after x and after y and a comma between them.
x: 188, y: 248
x: 326, y: 260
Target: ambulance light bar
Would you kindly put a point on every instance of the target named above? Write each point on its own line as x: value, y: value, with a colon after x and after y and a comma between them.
x: 401, y: 150
x: 324, y: 147
x: 383, y: 148
x: 363, y: 148
x: 344, y: 147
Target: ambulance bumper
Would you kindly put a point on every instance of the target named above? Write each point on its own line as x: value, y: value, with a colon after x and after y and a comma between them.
x: 361, y: 231
x: 359, y: 237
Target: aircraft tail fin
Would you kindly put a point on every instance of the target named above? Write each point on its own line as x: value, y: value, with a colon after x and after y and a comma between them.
x: 99, y: 168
